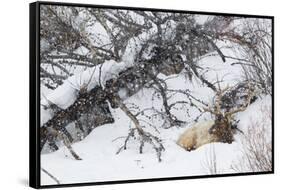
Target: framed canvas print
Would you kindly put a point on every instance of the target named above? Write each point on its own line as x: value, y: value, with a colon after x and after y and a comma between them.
x: 122, y: 94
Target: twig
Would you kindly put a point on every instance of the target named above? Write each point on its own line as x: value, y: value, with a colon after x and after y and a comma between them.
x: 50, y: 175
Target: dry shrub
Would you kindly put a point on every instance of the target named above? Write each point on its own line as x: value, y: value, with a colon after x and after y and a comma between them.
x: 257, y: 145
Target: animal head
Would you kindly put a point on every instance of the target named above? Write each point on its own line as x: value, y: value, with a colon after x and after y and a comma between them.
x: 218, y: 130
x: 222, y: 127
x: 222, y: 130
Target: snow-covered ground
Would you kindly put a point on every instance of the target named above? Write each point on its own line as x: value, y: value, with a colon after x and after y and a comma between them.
x: 98, y: 150
x: 101, y: 163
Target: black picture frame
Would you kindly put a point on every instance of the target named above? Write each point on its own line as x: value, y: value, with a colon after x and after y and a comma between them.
x: 34, y: 91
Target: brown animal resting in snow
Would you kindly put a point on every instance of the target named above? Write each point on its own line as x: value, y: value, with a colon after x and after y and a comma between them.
x: 219, y: 130
x: 204, y: 133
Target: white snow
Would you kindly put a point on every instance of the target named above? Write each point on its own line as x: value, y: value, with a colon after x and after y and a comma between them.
x: 100, y: 162
x: 98, y: 150
x: 66, y: 94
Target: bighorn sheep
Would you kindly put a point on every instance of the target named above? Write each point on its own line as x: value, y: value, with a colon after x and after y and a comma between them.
x: 219, y: 130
